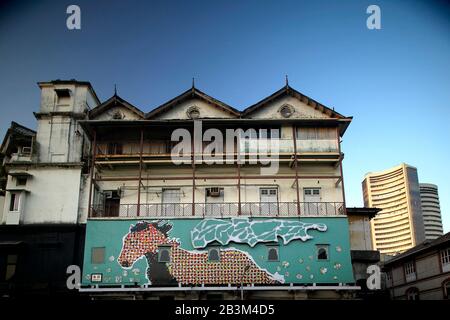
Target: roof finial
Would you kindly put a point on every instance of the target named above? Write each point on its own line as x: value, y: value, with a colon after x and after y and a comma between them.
x: 193, y: 83
x: 287, y: 81
x: 115, y: 89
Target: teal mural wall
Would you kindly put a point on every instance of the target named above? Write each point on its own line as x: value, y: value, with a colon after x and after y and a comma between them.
x: 127, y: 251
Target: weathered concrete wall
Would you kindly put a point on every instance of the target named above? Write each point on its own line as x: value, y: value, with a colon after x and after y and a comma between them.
x: 360, y: 233
x: 84, y: 198
x: 59, y: 137
x: 2, y: 204
x: 51, y: 195
x: 206, y: 111
x: 249, y: 187
x: 301, y: 110
x: 429, y: 278
x: 124, y: 112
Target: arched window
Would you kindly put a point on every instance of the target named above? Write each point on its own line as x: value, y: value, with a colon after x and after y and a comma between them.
x: 272, y: 253
x: 164, y: 254
x: 214, y: 254
x: 446, y: 288
x: 412, y: 294
x: 322, y: 252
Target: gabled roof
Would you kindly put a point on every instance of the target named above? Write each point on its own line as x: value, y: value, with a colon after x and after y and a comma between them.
x: 22, y: 130
x: 189, y: 94
x: 16, y: 132
x: 112, y: 102
x: 288, y: 91
x: 423, y: 247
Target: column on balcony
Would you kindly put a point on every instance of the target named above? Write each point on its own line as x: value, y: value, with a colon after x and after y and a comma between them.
x: 141, y: 147
x: 93, y: 154
x: 341, y: 178
x: 294, y: 137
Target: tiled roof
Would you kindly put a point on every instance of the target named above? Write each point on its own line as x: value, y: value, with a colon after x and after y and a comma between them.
x: 426, y: 245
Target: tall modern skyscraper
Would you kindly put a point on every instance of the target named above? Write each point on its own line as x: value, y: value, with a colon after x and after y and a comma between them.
x: 431, y: 211
x: 399, y: 225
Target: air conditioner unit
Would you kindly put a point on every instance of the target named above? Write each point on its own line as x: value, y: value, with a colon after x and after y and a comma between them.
x: 108, y: 194
x: 214, y: 192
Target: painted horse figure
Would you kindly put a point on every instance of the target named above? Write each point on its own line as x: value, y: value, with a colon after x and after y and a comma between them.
x: 188, y: 267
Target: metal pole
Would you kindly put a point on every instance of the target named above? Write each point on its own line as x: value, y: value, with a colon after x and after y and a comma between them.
x: 246, y: 269
x: 340, y: 168
x: 239, y: 187
x: 294, y: 137
x: 140, y: 172
x: 93, y: 152
x: 193, y: 172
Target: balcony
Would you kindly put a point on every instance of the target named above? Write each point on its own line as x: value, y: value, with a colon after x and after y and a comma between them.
x: 287, y: 146
x: 218, y: 210
x: 23, y: 156
x: 154, y: 151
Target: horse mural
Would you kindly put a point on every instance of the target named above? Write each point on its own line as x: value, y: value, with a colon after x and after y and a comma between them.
x: 188, y: 267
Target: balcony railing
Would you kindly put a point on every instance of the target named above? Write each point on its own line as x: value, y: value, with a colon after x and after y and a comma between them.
x: 230, y: 209
x: 273, y: 146
x: 250, y: 145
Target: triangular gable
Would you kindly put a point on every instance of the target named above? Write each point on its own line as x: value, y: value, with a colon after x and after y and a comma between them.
x: 16, y: 133
x: 317, y: 109
x: 212, y: 108
x: 116, y: 108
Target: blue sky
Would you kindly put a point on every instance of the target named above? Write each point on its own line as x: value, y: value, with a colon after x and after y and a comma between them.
x: 395, y: 82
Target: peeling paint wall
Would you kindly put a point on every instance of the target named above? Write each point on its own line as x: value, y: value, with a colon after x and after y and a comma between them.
x: 125, y: 114
x: 51, y: 196
x: 301, y: 110
x: 206, y: 111
x: 249, y: 187
x: 59, y: 137
x: 360, y: 233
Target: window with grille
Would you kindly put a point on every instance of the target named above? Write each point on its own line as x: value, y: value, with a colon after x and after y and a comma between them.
x: 268, y: 194
x: 446, y: 286
x: 316, y: 134
x: 445, y: 260
x: 410, y: 271
x: 163, y: 254
x: 312, y: 192
x: 14, y: 202
x: 389, y: 276
x: 412, y: 294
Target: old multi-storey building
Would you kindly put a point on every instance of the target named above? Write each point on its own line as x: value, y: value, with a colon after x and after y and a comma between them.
x: 422, y: 272
x: 46, y: 174
x: 191, y: 198
x: 399, y: 225
x: 431, y: 211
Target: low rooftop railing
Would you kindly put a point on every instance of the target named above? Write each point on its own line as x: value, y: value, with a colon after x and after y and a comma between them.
x: 230, y: 209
